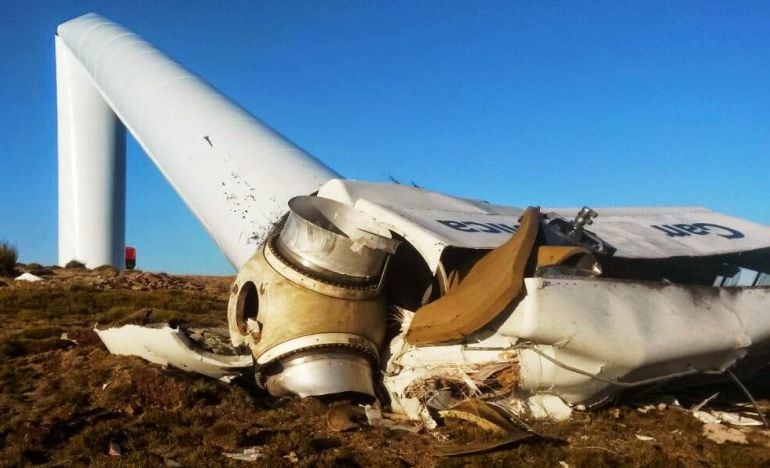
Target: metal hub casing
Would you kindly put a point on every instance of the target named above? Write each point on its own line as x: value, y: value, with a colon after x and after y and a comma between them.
x: 313, y: 373
x: 312, y: 330
x: 334, y: 241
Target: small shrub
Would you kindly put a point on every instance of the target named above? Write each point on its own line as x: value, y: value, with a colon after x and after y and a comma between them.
x: 72, y: 264
x: 40, y: 271
x: 8, y: 257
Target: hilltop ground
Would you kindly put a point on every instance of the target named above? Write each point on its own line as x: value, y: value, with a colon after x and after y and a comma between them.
x: 69, y: 402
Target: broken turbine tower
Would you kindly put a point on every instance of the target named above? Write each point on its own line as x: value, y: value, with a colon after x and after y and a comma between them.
x: 366, y: 286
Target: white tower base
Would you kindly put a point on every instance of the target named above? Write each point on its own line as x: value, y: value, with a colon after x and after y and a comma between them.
x: 92, y: 169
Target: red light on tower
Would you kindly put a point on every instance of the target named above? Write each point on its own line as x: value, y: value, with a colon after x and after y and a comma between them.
x: 130, y: 258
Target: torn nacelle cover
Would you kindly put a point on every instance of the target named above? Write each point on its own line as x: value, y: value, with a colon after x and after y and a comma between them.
x: 433, y: 222
x: 488, y: 307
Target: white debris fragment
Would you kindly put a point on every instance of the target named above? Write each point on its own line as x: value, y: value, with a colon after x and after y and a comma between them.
x: 704, y: 402
x: 407, y: 406
x: 717, y: 417
x: 249, y: 454
x: 667, y: 401
x: 427, y: 419
x: 28, y: 277
x: 660, y: 404
x: 161, y: 344
x: 540, y: 406
x: 373, y: 415
x: 114, y: 449
x: 644, y: 438
x: 65, y: 337
x: 736, y: 419
x: 706, y: 417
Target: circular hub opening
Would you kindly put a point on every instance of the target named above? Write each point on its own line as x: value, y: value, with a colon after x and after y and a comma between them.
x: 247, y: 306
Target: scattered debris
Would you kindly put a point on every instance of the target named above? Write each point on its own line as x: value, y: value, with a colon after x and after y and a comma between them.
x: 521, y: 307
x: 480, y: 447
x: 644, y: 438
x: 645, y: 409
x: 292, y: 457
x: 728, y: 417
x: 80, y: 336
x: 142, y: 400
x: 343, y: 416
x: 661, y: 403
x: 488, y: 417
x: 114, y: 449
x: 250, y: 454
x: 736, y: 419
x: 373, y: 415
x: 539, y: 406
x: 704, y: 402
x: 28, y: 277
x: 65, y: 337
x: 376, y: 418
x: 167, y: 346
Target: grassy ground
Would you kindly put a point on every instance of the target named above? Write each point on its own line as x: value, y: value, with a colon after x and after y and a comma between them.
x: 63, y: 403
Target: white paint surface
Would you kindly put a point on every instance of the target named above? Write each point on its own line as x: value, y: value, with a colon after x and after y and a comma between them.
x: 168, y: 346
x: 432, y: 221
x: 92, y: 169
x: 234, y: 173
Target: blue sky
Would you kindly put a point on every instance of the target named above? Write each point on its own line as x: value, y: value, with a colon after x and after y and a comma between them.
x: 523, y: 103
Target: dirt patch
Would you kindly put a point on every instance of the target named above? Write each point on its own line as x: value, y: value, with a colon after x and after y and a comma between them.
x: 68, y: 401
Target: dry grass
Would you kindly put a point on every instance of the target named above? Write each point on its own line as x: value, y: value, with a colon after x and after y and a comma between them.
x: 64, y: 403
